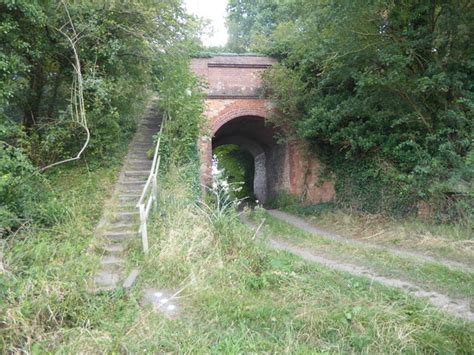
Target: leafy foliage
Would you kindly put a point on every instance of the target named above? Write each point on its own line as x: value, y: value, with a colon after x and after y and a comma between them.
x: 383, y: 92
x: 238, y: 167
x: 181, y: 102
x: 119, y: 46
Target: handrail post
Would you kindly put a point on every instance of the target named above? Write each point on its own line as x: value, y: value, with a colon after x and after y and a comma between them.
x: 143, y: 228
x: 154, y: 190
x: 149, y: 199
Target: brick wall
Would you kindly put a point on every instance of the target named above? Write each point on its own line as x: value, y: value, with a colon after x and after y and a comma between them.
x: 232, y: 75
x: 234, y: 93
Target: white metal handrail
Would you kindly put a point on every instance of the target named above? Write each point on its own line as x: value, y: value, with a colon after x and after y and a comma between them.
x: 148, y: 197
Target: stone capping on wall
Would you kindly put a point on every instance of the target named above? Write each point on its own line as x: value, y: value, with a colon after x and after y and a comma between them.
x: 223, y: 54
x: 224, y: 97
x: 238, y: 65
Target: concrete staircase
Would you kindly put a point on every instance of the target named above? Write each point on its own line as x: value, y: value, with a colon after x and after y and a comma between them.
x: 120, y: 222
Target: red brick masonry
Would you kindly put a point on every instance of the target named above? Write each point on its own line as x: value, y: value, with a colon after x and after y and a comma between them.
x: 234, y: 108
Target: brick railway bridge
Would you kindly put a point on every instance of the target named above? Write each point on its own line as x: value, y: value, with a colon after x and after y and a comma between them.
x: 236, y: 111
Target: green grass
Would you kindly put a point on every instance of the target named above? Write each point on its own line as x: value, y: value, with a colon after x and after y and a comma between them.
x: 238, y: 296
x: 46, y: 270
x: 430, y: 275
x: 453, y: 241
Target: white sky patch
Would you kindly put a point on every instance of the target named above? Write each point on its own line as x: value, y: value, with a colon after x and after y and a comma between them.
x: 215, y: 12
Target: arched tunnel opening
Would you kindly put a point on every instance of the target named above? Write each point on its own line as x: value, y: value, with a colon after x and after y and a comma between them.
x: 238, y: 168
x: 247, y: 141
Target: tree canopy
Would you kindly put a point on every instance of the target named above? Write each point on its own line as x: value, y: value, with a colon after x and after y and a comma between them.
x: 382, y: 89
x: 119, y: 48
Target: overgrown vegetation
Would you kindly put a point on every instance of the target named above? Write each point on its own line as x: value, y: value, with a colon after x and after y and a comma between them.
x: 451, y: 241
x: 382, y: 90
x: 235, y: 295
x: 44, y: 272
x: 238, y: 169
x: 118, y: 46
x: 181, y: 101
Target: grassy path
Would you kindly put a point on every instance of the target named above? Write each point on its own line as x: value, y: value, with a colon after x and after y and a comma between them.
x: 304, y: 225
x: 239, y: 295
x: 445, y: 287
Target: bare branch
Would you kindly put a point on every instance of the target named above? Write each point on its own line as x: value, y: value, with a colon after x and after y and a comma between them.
x: 78, y: 111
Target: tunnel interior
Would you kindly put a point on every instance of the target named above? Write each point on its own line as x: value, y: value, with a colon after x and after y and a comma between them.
x: 238, y: 167
x: 251, y: 135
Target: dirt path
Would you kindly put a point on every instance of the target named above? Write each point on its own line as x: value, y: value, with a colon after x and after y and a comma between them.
x: 457, y: 307
x: 302, y: 224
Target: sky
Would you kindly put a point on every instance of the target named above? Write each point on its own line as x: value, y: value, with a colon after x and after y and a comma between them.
x: 214, y: 11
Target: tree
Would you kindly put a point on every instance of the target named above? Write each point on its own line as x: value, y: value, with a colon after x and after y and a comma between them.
x: 383, y: 92
x: 116, y: 45
x: 250, y: 21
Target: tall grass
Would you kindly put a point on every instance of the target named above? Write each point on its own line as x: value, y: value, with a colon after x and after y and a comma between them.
x: 43, y: 284
x: 238, y: 296
x: 234, y: 294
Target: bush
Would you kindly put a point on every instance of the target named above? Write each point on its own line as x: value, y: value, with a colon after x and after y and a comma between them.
x: 282, y: 199
x: 23, y: 190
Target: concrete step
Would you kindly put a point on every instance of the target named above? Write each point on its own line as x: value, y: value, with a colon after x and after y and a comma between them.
x: 132, y: 198
x: 124, y: 233
x: 133, y: 189
x: 114, y: 248
x: 131, y: 278
x: 151, y: 120
x: 121, y: 235
x: 153, y: 129
x: 106, y: 280
x: 118, y: 227
x: 148, y: 125
x: 138, y: 164
x: 137, y: 179
x: 142, y: 145
x: 144, y: 138
x: 111, y: 261
x: 130, y: 185
x: 126, y: 217
x: 140, y: 161
x: 149, y: 134
x: 137, y: 183
x: 127, y: 205
x: 139, y: 149
x: 137, y: 155
x: 137, y: 172
x: 127, y: 208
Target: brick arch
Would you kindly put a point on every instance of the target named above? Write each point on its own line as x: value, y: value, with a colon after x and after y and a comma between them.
x: 235, y: 112
x: 235, y: 90
x: 247, y: 144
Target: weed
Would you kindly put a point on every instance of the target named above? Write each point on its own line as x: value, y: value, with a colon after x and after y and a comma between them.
x: 457, y: 283
x: 235, y: 295
x: 442, y: 240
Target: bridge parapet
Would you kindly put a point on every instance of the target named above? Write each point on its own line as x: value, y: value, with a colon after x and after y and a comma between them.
x: 233, y: 76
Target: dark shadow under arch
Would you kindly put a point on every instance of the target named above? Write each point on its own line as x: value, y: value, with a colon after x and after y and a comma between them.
x: 251, y: 134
